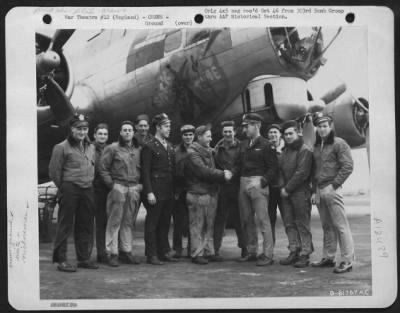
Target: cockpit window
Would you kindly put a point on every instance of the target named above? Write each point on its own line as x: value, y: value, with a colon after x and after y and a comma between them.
x: 194, y: 35
x: 173, y: 41
x: 300, y: 48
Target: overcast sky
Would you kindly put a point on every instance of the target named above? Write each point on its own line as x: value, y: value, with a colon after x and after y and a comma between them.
x: 346, y: 62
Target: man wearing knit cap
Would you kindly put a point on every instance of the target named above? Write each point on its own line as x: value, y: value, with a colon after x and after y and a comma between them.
x: 180, y: 213
x: 227, y: 152
x: 72, y: 170
x: 258, y: 170
x: 142, y: 126
x: 158, y: 184
x: 274, y: 136
x: 295, y: 166
x: 202, y: 195
x: 120, y: 170
x: 333, y: 164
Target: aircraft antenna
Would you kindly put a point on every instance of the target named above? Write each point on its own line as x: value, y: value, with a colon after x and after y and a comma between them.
x: 324, y: 50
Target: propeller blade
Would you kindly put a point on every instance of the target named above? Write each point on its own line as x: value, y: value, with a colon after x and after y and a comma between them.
x: 44, y: 115
x: 60, y: 37
x: 308, y: 132
x: 42, y: 42
x: 59, y: 103
x: 334, y: 93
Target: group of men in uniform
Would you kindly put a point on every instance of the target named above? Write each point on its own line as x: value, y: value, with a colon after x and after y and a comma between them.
x: 200, y: 188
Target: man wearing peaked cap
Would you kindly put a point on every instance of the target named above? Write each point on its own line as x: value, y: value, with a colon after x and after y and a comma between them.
x: 157, y: 164
x: 160, y: 119
x: 320, y: 117
x: 333, y: 164
x: 258, y: 169
x: 180, y: 213
x: 251, y: 118
x: 72, y: 170
x: 79, y: 120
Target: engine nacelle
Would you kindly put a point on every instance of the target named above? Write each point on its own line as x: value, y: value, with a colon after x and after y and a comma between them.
x: 286, y: 97
x: 345, y: 113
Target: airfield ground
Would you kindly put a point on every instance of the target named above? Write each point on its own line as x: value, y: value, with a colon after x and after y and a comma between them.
x: 218, y: 280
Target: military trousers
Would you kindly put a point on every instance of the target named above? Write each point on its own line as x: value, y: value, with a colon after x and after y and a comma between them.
x: 336, y: 228
x: 75, y: 214
x: 100, y: 199
x: 122, y: 210
x: 274, y: 203
x: 156, y: 229
x: 228, y: 206
x: 202, y: 210
x: 296, y: 218
x: 253, y: 204
x: 180, y: 216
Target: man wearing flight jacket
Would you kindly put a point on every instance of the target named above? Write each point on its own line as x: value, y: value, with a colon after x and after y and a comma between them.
x: 72, y: 170
x: 333, y: 164
x: 120, y: 170
x: 295, y: 166
x: 202, y: 195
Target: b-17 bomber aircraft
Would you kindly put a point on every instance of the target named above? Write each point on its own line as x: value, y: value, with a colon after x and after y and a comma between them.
x: 195, y: 75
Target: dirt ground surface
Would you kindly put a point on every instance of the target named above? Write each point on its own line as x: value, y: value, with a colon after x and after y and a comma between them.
x: 218, y: 280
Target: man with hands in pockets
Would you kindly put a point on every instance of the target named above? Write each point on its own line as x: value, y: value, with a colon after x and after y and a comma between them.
x: 333, y: 164
x: 258, y: 166
x: 120, y: 170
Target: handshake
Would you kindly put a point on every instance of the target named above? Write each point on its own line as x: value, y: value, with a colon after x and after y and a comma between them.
x: 228, y: 175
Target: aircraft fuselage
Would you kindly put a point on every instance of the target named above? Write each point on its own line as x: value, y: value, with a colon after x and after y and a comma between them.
x: 193, y: 75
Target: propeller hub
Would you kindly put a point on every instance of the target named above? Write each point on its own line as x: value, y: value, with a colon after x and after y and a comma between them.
x: 47, y: 61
